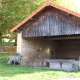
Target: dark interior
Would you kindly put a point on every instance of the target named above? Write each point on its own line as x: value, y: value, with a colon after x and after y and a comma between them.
x: 66, y: 49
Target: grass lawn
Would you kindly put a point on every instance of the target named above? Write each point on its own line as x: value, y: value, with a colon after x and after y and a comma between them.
x: 12, y: 72
x: 7, y: 43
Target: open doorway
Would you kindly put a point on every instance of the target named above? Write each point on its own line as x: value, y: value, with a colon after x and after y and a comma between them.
x: 66, y: 49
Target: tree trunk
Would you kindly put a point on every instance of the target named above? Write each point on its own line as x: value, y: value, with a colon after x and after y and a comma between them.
x: 15, y: 43
x: 1, y: 43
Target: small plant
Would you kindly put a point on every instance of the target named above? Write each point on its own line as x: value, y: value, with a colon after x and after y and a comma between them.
x: 15, y: 59
x: 79, y: 63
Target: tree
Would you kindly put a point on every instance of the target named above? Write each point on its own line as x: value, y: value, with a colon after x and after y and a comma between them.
x: 70, y: 4
x: 14, y: 11
x: 1, y: 17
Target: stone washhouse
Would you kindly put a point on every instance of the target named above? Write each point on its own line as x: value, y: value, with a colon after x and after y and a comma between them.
x: 49, y: 37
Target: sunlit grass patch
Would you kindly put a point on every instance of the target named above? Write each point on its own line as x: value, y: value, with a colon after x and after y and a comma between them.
x: 13, y: 72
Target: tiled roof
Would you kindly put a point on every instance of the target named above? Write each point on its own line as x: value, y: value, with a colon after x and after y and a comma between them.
x: 45, y: 5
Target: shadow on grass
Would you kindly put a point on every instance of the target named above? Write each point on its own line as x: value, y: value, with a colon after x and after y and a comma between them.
x: 12, y: 70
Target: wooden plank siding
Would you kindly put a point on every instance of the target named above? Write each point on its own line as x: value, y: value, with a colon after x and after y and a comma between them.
x: 51, y: 22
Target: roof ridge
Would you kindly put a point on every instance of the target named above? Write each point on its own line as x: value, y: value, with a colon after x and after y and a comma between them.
x: 47, y: 3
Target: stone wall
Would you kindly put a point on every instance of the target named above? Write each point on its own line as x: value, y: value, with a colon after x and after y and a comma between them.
x: 35, y: 50
x: 19, y: 42
x: 9, y: 49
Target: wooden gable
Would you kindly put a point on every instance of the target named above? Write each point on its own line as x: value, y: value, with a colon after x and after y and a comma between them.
x: 51, y: 22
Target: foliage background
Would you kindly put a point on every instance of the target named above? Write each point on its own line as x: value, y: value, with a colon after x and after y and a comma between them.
x: 14, y: 11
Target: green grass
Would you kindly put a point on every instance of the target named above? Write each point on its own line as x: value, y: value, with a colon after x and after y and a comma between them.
x: 7, y: 43
x: 12, y: 72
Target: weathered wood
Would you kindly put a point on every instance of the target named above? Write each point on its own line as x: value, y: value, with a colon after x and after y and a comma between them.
x: 63, y: 38
x: 52, y: 22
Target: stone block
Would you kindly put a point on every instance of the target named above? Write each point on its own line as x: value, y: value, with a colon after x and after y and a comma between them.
x: 67, y: 66
x: 55, y: 65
